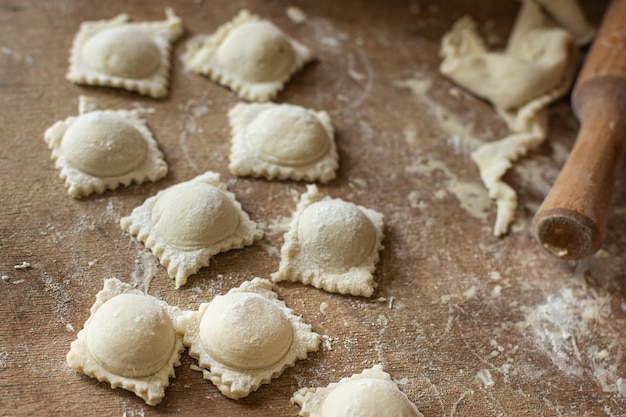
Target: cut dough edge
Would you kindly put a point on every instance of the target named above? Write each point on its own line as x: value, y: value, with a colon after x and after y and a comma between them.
x: 527, y: 122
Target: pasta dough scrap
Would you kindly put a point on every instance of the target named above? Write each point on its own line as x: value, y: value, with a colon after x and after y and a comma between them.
x: 123, y: 54
x: 332, y: 244
x: 537, y: 68
x: 187, y: 223
x: 129, y: 341
x: 568, y: 14
x: 103, y: 149
x: 282, y: 141
x: 249, y: 55
x: 245, y: 338
x: 371, y: 393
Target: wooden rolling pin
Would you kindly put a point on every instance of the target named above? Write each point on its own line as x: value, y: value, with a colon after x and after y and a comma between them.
x: 571, y: 222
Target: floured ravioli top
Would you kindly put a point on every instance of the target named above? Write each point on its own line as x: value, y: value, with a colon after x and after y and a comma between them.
x: 118, y: 53
x: 139, y: 320
x: 371, y: 393
x: 194, y: 215
x: 249, y: 55
x: 129, y: 341
x: 282, y: 141
x: 187, y: 223
x: 332, y: 244
x: 336, y: 234
x: 246, y: 337
x: 103, y: 149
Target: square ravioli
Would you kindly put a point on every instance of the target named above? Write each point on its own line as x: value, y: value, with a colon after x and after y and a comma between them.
x: 103, y: 149
x: 245, y: 338
x: 249, y: 55
x: 129, y: 341
x: 187, y: 223
x: 332, y: 244
x: 371, y: 393
x: 123, y: 54
x: 282, y: 141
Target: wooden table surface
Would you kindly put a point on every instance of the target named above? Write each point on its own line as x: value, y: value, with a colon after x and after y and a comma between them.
x: 469, y: 324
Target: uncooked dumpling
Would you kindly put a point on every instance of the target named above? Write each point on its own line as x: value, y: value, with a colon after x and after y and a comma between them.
x: 103, y: 149
x: 129, y: 341
x: 186, y: 224
x: 371, y: 393
x: 246, y: 337
x: 332, y: 244
x: 118, y: 53
x: 249, y: 55
x: 282, y: 141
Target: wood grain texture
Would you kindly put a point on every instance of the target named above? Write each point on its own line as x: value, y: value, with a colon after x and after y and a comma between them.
x: 470, y: 324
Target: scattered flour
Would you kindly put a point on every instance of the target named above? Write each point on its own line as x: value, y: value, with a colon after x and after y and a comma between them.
x: 327, y: 342
x: 323, y: 307
x: 563, y: 327
x: 17, y: 56
x: 295, y: 14
x: 459, y: 133
x: 146, y: 267
x: 472, y: 196
x: 484, y: 376
x: 193, y: 110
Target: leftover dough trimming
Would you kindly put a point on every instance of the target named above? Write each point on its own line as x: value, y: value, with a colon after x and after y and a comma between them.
x: 282, y: 141
x: 332, y: 244
x: 131, y: 55
x: 537, y: 68
x: 245, y: 338
x: 249, y: 55
x: 103, y: 149
x: 129, y: 341
x: 188, y: 223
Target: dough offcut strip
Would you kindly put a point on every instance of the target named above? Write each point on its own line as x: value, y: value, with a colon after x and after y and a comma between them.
x: 571, y: 222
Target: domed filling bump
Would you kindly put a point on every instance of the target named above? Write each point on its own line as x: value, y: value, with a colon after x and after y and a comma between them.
x: 194, y: 215
x: 288, y: 135
x: 337, y: 234
x: 246, y: 331
x: 368, y: 396
x: 257, y: 52
x: 131, y: 335
x: 104, y: 145
x: 122, y: 51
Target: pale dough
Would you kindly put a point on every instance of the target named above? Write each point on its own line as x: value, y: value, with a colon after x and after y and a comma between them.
x: 118, y: 53
x: 129, y: 341
x: 569, y: 14
x: 249, y: 55
x: 332, y: 245
x: 282, y: 141
x: 103, y: 149
x: 187, y: 223
x: 537, y: 68
x: 371, y: 393
x: 245, y: 338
